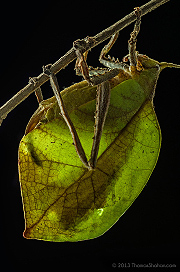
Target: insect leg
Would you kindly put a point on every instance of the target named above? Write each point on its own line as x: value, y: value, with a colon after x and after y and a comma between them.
x: 39, y: 95
x: 133, y: 39
x: 38, y: 91
x: 94, y: 76
x: 102, y: 105
x: 111, y: 62
x: 102, y: 58
x: 65, y: 115
x: 99, y: 76
x: 81, y: 66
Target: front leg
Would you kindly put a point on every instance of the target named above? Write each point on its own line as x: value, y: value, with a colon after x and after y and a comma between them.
x: 132, y: 56
x: 93, y: 76
x: 111, y: 62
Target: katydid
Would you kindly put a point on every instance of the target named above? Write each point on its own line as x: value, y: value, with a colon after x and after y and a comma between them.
x: 66, y: 196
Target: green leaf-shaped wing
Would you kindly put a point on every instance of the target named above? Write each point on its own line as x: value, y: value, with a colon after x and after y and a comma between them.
x: 64, y: 201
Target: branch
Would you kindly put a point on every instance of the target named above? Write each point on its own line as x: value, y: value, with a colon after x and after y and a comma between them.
x: 71, y: 55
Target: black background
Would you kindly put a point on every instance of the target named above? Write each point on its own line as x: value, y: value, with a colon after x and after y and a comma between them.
x: 37, y: 33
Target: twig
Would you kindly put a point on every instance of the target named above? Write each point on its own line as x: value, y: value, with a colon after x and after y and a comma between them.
x: 71, y: 55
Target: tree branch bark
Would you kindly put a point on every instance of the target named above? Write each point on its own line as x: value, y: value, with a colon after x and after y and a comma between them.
x: 71, y: 55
